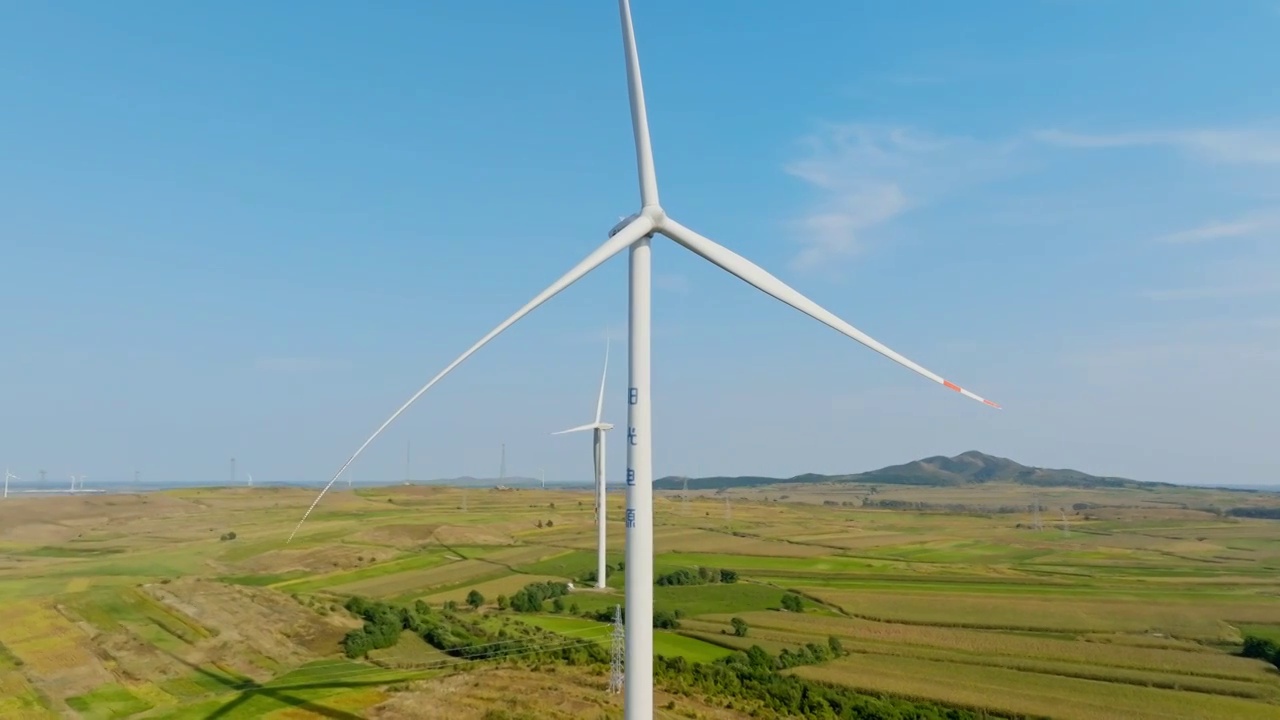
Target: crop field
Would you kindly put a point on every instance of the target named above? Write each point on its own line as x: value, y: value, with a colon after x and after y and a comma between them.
x: 133, y: 606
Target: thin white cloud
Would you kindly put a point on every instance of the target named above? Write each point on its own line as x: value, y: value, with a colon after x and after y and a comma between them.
x: 912, y: 79
x: 1212, y: 292
x: 1230, y: 146
x: 298, y: 364
x: 1256, y: 224
x: 865, y: 176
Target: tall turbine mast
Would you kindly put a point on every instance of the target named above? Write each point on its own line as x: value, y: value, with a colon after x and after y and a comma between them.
x: 7, y: 477
x: 635, y: 233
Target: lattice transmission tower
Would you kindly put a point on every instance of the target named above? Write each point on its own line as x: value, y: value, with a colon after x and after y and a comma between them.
x: 618, y: 651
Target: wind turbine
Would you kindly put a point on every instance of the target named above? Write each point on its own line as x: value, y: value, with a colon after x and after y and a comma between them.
x: 635, y: 233
x: 598, y: 429
x: 7, y: 477
x: 77, y: 482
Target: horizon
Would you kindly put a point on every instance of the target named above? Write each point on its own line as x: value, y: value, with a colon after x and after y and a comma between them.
x: 288, y: 229
x: 519, y: 481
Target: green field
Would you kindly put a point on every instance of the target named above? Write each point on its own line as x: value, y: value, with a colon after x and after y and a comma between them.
x: 132, y: 607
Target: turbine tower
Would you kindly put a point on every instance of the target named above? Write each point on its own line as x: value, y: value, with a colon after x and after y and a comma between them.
x: 635, y: 233
x: 598, y: 429
x: 7, y: 477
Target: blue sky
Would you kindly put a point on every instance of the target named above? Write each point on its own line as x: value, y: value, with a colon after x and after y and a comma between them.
x: 252, y: 231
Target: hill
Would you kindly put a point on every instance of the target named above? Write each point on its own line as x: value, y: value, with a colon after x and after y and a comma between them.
x: 964, y: 469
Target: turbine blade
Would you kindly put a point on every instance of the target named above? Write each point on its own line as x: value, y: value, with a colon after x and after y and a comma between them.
x: 760, y: 278
x: 580, y: 428
x: 603, y: 375
x: 637, y: 229
x: 639, y: 118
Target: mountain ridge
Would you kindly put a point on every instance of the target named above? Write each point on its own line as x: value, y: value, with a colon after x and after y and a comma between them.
x: 967, y: 468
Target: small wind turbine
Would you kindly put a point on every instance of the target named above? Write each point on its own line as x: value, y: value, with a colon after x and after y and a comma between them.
x: 77, y: 482
x: 598, y: 429
x: 7, y: 477
x: 250, y: 476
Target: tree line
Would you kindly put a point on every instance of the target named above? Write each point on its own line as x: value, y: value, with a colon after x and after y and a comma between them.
x: 458, y: 636
x: 701, y: 576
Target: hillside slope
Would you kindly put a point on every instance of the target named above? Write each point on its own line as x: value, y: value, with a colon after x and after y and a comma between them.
x: 963, y: 469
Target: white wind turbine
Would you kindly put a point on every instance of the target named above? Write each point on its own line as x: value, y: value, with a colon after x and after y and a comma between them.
x: 598, y: 429
x: 636, y: 233
x: 7, y: 477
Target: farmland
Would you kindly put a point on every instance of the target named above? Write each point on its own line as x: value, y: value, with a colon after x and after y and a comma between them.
x: 133, y: 606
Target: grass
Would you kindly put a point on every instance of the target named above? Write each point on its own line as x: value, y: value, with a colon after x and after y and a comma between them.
x: 108, y: 702
x: 1035, y: 694
x: 666, y: 643
x: 330, y: 688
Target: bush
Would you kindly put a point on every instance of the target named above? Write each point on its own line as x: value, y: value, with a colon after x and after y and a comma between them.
x: 792, y: 603
x: 1262, y: 649
x: 475, y: 599
x: 739, y: 626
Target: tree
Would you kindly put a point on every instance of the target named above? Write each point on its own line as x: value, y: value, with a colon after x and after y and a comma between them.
x: 557, y: 605
x: 792, y: 603
x: 551, y: 523
x: 475, y: 599
x: 539, y: 523
x: 739, y: 626
x: 833, y: 642
x: 728, y: 576
x: 502, y: 602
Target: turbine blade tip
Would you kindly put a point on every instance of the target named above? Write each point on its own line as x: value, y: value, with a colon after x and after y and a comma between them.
x: 988, y: 402
x: 952, y: 385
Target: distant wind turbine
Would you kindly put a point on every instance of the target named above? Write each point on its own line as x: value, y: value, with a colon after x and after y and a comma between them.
x: 598, y: 429
x: 250, y: 476
x: 7, y: 477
